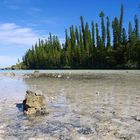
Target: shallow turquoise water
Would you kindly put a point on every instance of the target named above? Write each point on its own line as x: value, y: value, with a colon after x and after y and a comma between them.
x: 71, y: 71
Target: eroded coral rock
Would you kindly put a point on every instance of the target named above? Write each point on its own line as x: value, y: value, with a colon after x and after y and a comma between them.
x: 34, y: 103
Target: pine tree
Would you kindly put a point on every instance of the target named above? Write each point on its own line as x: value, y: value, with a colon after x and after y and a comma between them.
x: 81, y: 49
x: 130, y: 31
x: 87, y: 39
x: 115, y: 26
x: 77, y: 35
x: 108, y: 33
x: 93, y: 36
x: 67, y: 54
x: 103, y: 28
x: 73, y: 44
x: 92, y: 46
x: 120, y: 25
x: 124, y: 37
x: 97, y: 36
x: 72, y: 37
x: 84, y: 47
x: 83, y: 29
x: 136, y: 26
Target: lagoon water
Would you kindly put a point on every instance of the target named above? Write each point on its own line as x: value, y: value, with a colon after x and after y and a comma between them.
x: 105, y: 106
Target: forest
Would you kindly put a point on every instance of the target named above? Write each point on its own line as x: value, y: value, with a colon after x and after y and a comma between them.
x: 86, y: 46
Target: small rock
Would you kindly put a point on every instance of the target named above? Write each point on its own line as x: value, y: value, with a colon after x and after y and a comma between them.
x: 36, y: 73
x: 68, y: 77
x: 85, y: 131
x: 137, y: 118
x: 2, y: 126
x: 97, y: 93
x: 59, y: 76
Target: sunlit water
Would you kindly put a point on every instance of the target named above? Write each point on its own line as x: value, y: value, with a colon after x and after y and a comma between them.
x: 95, y: 108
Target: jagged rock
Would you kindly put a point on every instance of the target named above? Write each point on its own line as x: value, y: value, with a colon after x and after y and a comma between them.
x: 34, y: 103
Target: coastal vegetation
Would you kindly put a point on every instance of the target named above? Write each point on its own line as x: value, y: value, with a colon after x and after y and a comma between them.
x: 86, y: 47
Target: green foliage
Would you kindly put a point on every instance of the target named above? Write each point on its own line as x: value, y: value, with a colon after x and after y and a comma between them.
x: 108, y: 33
x: 44, y: 54
x: 115, y: 26
x: 84, y: 47
x: 136, y: 26
x: 97, y: 36
x: 120, y: 26
x: 103, y: 28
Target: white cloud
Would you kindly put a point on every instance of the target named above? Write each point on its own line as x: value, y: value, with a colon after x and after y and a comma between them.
x: 7, y: 60
x: 12, y: 34
x: 14, y: 40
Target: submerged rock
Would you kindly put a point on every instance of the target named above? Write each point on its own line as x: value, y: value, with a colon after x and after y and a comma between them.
x: 137, y: 118
x: 85, y: 131
x: 34, y: 103
x: 59, y: 76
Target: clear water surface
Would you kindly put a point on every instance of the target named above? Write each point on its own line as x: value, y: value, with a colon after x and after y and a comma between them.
x: 104, y: 107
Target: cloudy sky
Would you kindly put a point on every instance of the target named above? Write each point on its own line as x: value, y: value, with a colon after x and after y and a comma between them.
x: 22, y: 22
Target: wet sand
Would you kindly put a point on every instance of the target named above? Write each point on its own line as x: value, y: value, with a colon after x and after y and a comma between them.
x: 89, y: 105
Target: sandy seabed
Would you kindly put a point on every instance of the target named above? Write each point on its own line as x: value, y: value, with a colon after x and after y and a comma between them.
x: 82, y: 105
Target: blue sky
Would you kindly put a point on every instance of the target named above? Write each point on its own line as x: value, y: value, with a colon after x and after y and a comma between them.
x: 22, y: 22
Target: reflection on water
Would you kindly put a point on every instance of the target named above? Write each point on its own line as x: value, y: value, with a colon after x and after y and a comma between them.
x: 76, y: 107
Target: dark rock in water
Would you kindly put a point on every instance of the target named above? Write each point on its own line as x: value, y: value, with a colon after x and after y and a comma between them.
x: 85, y: 131
x: 34, y: 103
x: 137, y: 118
x: 62, y: 137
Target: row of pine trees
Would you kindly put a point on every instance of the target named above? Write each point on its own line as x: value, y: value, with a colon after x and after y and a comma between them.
x: 85, y: 47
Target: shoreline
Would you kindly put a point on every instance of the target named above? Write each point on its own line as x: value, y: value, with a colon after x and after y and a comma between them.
x: 67, y: 74
x: 82, y: 71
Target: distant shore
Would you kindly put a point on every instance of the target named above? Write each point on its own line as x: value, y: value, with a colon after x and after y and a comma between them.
x: 65, y: 74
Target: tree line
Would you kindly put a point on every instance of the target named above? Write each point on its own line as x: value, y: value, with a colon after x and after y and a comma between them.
x: 86, y: 47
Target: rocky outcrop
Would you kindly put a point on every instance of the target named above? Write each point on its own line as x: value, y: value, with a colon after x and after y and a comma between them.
x: 34, y: 103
